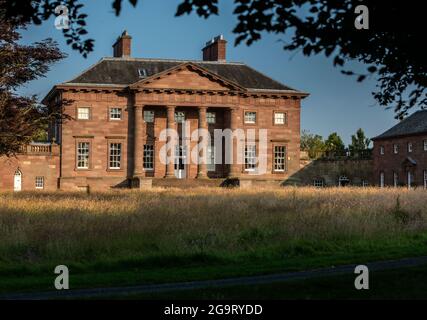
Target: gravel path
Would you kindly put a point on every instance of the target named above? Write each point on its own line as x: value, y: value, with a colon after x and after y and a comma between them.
x: 191, y: 285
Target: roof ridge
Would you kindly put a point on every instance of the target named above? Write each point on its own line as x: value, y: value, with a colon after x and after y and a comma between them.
x: 171, y: 60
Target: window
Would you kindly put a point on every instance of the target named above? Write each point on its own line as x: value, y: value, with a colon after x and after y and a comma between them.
x: 343, y: 181
x: 318, y: 183
x: 381, y: 179
x: 410, y: 179
x: 382, y: 150
x: 83, y: 113
x: 142, y: 73
x: 250, y: 157
x: 395, y: 149
x: 179, y: 117
x: 395, y: 179
x: 115, y: 155
x: 148, y: 157
x: 409, y: 146
x: 210, y: 158
x: 279, y: 158
x: 149, y: 116
x: 425, y: 179
x: 250, y: 117
x: 210, y: 117
x: 279, y: 118
x: 425, y: 145
x: 115, y: 113
x: 39, y: 182
x: 83, y: 155
x: 365, y: 183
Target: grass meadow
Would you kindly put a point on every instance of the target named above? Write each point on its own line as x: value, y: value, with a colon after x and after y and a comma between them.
x: 163, y: 235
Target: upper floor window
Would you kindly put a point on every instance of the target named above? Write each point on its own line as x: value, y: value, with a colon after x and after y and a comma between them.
x: 250, y: 157
x: 210, y: 117
x: 425, y: 145
x: 250, y: 117
x: 115, y: 113
x: 83, y: 113
x: 279, y: 118
x: 149, y: 116
x: 279, y: 158
x: 148, y: 163
x: 39, y: 182
x: 409, y: 146
x: 382, y: 150
x: 179, y: 117
x: 83, y: 155
x: 395, y: 149
x: 115, y: 156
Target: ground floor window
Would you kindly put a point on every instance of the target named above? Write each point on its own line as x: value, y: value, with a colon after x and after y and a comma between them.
x: 279, y: 158
x: 250, y: 157
x: 148, y: 161
x: 365, y: 183
x: 425, y: 179
x: 39, y: 182
x: 381, y: 179
x: 115, y: 155
x: 318, y: 182
x: 395, y: 179
x: 83, y: 155
x: 343, y: 181
x: 210, y: 158
x: 410, y: 179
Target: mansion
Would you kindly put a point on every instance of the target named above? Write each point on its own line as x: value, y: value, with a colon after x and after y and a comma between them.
x: 119, y: 107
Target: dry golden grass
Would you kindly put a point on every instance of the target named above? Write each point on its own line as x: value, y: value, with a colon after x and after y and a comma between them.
x: 40, y: 227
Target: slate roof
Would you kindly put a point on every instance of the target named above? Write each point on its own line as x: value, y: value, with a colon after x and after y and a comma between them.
x: 124, y: 71
x: 414, y: 124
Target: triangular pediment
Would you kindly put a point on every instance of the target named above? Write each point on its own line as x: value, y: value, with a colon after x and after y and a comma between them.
x: 187, y: 76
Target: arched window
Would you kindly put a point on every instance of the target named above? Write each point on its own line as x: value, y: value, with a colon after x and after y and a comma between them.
x: 17, y: 180
x: 343, y: 181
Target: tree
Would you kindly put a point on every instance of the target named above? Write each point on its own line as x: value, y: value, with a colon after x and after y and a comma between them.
x: 21, y: 118
x: 308, y: 26
x: 359, y: 144
x: 313, y: 144
x: 334, y: 146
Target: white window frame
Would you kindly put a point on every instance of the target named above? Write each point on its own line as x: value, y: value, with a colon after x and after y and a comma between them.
x: 382, y: 151
x: 115, y: 155
x: 318, y: 183
x: 279, y: 118
x: 410, y: 147
x: 250, y: 117
x: 382, y: 181
x: 277, y: 165
x: 365, y: 183
x: 410, y: 179
x: 210, y: 158
x: 395, y: 148
x: 179, y: 116
x: 115, y: 113
x: 250, y: 157
x: 83, y: 154
x: 83, y: 113
x: 425, y: 179
x: 39, y: 182
x: 425, y: 145
x: 148, y: 161
x: 149, y: 116
x: 211, y: 117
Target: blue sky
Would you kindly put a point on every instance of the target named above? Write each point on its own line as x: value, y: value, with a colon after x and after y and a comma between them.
x: 336, y: 102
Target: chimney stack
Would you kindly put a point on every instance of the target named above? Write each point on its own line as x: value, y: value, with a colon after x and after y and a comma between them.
x: 215, y: 49
x: 122, y: 47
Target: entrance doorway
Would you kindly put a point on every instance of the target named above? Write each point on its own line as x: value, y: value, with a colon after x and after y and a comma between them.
x: 180, y: 162
x: 17, y: 181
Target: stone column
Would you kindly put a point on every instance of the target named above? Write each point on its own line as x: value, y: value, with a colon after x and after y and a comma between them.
x: 202, y: 168
x: 138, y: 147
x: 170, y: 169
x: 234, y: 167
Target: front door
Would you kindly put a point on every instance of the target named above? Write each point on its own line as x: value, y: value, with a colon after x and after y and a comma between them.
x: 17, y: 181
x: 180, y: 162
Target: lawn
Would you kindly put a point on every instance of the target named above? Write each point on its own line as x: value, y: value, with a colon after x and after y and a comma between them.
x: 163, y: 235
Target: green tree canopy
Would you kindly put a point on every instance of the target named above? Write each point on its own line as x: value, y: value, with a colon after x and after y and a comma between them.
x: 313, y: 144
x: 334, y: 146
x: 359, y: 144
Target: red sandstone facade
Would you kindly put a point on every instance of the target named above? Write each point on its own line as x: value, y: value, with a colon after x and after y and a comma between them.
x: 113, y: 136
